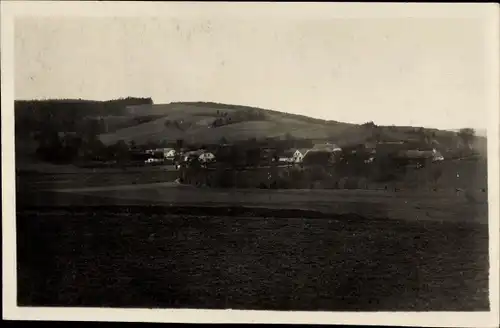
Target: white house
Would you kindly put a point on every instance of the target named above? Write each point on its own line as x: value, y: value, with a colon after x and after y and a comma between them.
x: 437, y: 156
x: 168, y: 153
x: 287, y: 156
x: 299, y: 154
x: 192, y: 154
x: 206, y: 157
x: 152, y: 160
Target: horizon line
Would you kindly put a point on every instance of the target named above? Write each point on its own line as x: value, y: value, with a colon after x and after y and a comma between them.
x: 456, y: 129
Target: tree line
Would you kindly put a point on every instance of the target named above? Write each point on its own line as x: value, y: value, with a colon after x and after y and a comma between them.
x: 67, y: 114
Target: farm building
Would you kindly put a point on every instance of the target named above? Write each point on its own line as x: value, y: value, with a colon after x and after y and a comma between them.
x: 152, y: 160
x: 299, y: 154
x: 190, y: 155
x: 206, y: 157
x: 168, y: 152
x: 434, y: 155
x: 286, y: 156
x: 327, y: 146
x: 318, y: 157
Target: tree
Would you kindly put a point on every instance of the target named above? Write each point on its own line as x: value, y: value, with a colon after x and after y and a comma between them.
x: 423, y: 136
x: 49, y: 144
x: 179, y: 143
x: 253, y: 156
x: 94, y: 149
x: 223, y: 141
x: 92, y: 131
x: 437, y: 172
x: 120, y: 151
x: 467, y: 135
x: 376, y: 132
x: 72, y: 146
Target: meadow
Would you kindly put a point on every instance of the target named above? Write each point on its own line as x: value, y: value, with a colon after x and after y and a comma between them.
x: 146, y: 257
x: 157, y: 244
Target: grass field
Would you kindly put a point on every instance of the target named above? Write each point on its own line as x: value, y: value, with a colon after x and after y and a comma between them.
x: 134, y: 240
x: 142, y: 257
x: 155, y: 186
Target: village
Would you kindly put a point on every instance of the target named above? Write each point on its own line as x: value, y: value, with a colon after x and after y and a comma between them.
x: 324, y: 154
x: 384, y: 164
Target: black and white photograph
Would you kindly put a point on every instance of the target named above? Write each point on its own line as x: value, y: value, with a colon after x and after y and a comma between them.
x: 278, y: 159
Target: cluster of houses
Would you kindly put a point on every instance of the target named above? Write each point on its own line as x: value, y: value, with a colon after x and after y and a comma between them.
x: 322, y: 153
x: 172, y: 156
x: 328, y: 152
x: 298, y: 155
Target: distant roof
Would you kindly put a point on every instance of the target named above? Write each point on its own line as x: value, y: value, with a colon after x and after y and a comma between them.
x: 288, y: 152
x: 303, y: 150
x: 325, y: 145
x: 317, y: 157
x: 320, y: 150
x: 163, y: 149
x: 194, y: 152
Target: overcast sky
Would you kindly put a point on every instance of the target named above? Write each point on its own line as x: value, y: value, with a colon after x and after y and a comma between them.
x: 422, y: 72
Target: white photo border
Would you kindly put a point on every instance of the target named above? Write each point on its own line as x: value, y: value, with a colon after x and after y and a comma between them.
x: 11, y: 9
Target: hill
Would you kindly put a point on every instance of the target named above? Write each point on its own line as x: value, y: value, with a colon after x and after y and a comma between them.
x: 141, y: 121
x: 206, y: 122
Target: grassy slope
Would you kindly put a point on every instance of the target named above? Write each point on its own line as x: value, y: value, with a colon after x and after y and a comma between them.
x: 276, y: 124
x: 122, y: 117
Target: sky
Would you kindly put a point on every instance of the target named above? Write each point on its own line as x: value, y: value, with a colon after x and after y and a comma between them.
x: 405, y: 71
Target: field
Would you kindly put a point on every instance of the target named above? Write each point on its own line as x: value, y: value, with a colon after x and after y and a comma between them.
x: 143, y: 257
x: 113, y: 243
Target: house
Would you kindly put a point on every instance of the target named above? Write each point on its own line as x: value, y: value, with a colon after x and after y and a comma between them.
x: 152, y: 160
x: 190, y: 155
x: 370, y: 160
x: 206, y: 157
x: 323, y: 157
x: 327, y: 146
x: 287, y: 156
x: 299, y: 155
x: 438, y: 157
x: 415, y: 155
x: 168, y: 153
